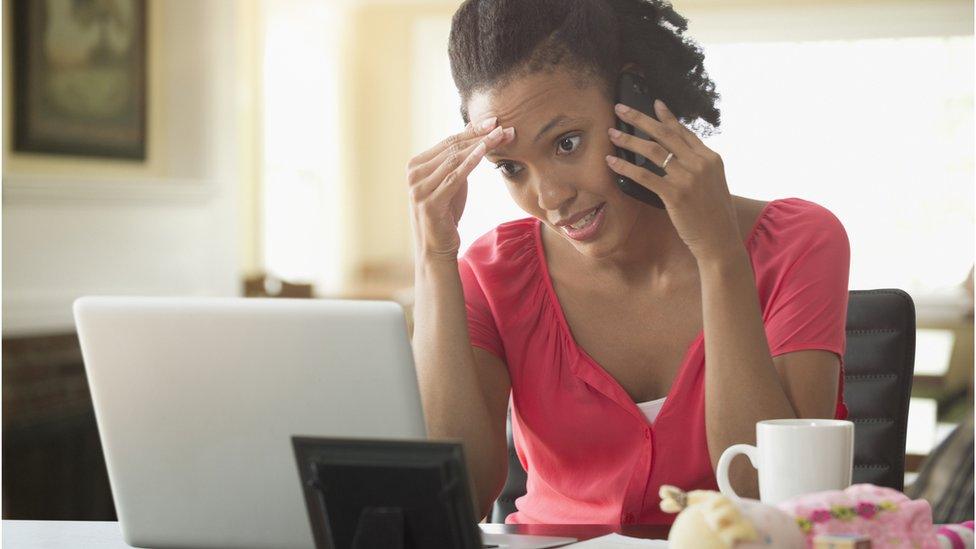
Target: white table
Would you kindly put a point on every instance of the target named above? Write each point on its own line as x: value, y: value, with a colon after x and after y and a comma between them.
x: 51, y: 534
x: 54, y: 534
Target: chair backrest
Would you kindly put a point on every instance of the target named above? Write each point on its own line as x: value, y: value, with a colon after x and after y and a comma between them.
x: 878, y: 366
x: 878, y: 369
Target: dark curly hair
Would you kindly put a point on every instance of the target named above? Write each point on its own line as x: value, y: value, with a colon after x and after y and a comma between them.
x: 495, y: 41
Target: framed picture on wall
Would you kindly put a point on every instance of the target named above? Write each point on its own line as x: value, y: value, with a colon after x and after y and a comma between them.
x: 80, y: 77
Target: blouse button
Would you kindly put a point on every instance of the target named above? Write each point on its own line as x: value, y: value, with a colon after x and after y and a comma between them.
x: 647, y: 434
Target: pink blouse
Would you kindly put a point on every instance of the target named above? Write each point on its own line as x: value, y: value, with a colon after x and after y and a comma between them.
x: 590, y: 453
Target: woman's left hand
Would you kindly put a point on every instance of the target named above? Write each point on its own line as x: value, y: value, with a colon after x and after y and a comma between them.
x: 693, y: 189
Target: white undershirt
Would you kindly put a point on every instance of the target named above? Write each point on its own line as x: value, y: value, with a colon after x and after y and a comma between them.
x: 651, y: 408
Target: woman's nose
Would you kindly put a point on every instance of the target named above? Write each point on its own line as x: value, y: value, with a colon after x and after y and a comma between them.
x: 554, y: 194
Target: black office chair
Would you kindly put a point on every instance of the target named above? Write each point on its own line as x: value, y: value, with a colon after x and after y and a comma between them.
x: 878, y: 366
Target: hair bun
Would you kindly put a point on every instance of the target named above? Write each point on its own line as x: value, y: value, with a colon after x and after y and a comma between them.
x: 494, y: 41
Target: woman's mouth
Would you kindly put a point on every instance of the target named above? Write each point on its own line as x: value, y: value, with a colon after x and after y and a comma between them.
x: 586, y: 227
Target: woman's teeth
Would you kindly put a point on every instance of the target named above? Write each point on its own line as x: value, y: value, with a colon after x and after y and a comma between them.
x: 585, y: 220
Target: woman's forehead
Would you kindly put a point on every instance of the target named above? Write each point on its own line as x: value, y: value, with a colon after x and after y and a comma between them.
x: 536, y: 98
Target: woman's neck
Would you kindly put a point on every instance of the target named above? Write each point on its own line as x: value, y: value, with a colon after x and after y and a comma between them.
x: 652, y: 253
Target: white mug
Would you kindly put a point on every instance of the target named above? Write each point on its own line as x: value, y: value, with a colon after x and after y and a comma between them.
x: 795, y: 457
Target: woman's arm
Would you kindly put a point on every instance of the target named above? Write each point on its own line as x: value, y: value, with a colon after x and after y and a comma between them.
x: 464, y: 393
x: 742, y: 385
x: 464, y: 390
x: 810, y: 379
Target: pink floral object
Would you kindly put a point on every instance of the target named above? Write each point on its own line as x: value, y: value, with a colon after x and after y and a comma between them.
x: 887, y: 516
x: 820, y: 515
x: 956, y: 536
x: 866, y: 510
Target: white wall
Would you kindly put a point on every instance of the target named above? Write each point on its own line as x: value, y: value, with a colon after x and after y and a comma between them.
x: 302, y: 215
x: 168, y: 226
x: 715, y: 21
x: 790, y: 74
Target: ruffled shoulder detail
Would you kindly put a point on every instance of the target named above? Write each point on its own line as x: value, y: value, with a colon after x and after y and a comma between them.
x: 505, y: 258
x: 788, y: 223
x: 496, y: 267
x: 788, y: 231
x: 509, y: 268
x: 507, y: 247
x: 801, y: 259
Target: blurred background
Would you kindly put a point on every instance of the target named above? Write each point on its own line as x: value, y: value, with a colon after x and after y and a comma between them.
x: 258, y: 147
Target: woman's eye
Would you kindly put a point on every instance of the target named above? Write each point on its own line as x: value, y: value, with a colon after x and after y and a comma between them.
x: 569, y: 144
x: 507, y: 168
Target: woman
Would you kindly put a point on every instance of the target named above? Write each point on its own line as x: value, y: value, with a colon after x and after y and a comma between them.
x: 595, y: 314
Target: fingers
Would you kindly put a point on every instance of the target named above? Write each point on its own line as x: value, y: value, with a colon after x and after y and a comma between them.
x: 648, y: 149
x: 471, y: 132
x: 459, y: 176
x: 665, y: 133
x: 665, y: 115
x: 458, y: 148
x: 640, y: 175
x: 452, y: 161
x: 455, y: 153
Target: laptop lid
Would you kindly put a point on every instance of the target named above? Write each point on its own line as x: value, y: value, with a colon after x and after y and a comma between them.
x: 197, y: 399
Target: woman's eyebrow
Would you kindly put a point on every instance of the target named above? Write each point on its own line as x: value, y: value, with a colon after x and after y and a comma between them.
x: 558, y: 120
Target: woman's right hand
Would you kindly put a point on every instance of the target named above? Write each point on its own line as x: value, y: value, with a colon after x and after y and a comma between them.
x: 438, y: 179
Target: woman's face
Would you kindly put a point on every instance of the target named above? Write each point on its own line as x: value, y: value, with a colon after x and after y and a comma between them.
x: 555, y: 167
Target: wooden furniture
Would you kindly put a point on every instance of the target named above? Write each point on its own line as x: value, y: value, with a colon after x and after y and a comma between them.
x: 53, y: 467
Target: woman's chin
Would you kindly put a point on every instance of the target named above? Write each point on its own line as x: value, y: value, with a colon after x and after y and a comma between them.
x: 600, y: 242
x: 600, y: 247
x: 594, y: 250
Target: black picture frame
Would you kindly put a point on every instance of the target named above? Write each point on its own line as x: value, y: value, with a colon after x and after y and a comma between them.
x: 80, y: 77
x: 394, y: 494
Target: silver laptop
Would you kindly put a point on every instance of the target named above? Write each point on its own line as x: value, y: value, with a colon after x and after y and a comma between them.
x: 197, y: 400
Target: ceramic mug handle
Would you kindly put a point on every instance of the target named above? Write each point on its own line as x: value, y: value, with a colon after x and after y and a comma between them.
x: 722, y: 474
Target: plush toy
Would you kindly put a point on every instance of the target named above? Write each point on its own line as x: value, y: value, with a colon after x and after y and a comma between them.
x: 890, y: 518
x: 885, y: 518
x: 709, y: 520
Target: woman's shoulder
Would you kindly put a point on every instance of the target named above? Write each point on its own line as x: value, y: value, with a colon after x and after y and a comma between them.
x: 507, y: 246
x: 791, y: 229
x: 504, y: 264
x: 796, y: 222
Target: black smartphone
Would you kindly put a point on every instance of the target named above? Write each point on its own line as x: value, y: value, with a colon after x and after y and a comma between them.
x: 632, y: 91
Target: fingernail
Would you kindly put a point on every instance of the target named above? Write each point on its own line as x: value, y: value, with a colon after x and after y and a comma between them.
x: 660, y: 104
x: 509, y: 132
x: 612, y: 160
x: 488, y: 123
x: 614, y: 132
x: 495, y: 135
x: 621, y: 108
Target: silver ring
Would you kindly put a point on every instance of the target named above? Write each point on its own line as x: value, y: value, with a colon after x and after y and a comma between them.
x: 666, y: 160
